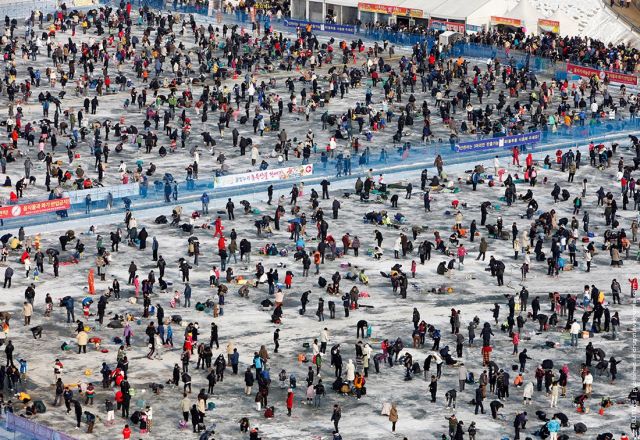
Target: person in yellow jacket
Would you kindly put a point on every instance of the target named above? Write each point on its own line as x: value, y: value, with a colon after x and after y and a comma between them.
x: 83, y: 340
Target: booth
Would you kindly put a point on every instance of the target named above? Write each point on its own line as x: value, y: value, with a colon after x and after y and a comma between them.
x: 449, y: 38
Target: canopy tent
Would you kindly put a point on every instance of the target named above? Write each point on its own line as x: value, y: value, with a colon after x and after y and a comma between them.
x: 527, y: 14
x: 568, y: 25
x: 484, y: 10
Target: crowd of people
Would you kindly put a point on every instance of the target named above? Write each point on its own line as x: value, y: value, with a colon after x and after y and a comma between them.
x: 550, y: 219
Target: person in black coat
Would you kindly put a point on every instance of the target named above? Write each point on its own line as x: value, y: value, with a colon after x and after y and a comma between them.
x: 495, y: 407
x: 613, y: 368
x: 433, y: 388
x: 195, y: 418
x: 478, y: 400
x: 142, y: 236
x: 78, y: 410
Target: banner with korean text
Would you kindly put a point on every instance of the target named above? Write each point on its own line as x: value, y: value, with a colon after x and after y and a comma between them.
x: 34, y: 208
x: 616, y: 77
x: 390, y: 10
x: 254, y: 177
x: 499, y: 142
x: 505, y: 21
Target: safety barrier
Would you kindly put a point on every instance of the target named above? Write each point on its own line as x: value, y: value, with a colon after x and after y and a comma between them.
x: 22, y: 9
x: 419, y: 155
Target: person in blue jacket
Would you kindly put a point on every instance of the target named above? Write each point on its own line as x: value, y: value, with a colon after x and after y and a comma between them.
x: 553, y: 426
x: 205, y: 203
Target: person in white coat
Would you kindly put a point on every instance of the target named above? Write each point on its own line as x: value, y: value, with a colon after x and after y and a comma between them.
x: 158, y: 343
x: 575, y: 331
x: 397, y: 247
x: 315, y: 347
x: 27, y: 267
x: 587, y: 383
x: 555, y: 392
x: 462, y: 376
x: 255, y: 154
x: 279, y: 298
x: 438, y: 360
x: 324, y: 340
x: 527, y: 393
x: 351, y: 371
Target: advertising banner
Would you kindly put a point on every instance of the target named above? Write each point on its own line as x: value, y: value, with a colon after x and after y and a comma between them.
x: 390, y: 10
x: 326, y: 27
x: 446, y: 25
x: 117, y: 191
x: 495, y: 21
x: 34, y: 208
x: 500, y: 142
x: 274, y: 175
x: 616, y: 77
x: 549, y: 25
x: 474, y: 28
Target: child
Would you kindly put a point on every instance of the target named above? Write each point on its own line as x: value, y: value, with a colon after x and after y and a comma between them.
x: 414, y: 268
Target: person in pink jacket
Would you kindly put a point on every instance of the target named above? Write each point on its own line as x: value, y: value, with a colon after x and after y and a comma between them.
x: 461, y: 253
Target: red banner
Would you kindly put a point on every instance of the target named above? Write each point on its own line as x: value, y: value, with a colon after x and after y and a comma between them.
x: 505, y: 21
x: 616, y: 77
x: 390, y: 10
x: 35, y: 208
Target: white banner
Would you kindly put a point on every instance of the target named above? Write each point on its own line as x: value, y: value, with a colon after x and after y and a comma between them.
x: 117, y: 191
x: 263, y: 176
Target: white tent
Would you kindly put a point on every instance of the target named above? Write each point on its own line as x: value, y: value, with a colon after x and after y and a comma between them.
x: 529, y: 15
x: 568, y: 25
x: 482, y: 14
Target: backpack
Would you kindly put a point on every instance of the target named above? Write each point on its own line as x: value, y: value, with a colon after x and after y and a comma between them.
x: 580, y: 428
x: 40, y: 407
x: 135, y: 417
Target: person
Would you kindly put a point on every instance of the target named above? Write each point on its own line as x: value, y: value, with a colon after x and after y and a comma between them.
x: 393, y: 417
x: 276, y: 339
x: 478, y: 399
x: 335, y: 417
x: 553, y: 426
x: 289, y: 401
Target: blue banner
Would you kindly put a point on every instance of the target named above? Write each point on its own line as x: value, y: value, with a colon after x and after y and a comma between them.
x: 474, y: 28
x: 322, y: 27
x: 499, y: 142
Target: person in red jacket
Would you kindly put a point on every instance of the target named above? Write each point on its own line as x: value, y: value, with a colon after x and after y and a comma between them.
x: 516, y: 156
x: 634, y: 286
x: 126, y: 432
x: 289, y: 401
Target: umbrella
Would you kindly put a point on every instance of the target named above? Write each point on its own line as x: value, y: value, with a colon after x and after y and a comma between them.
x: 294, y: 220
